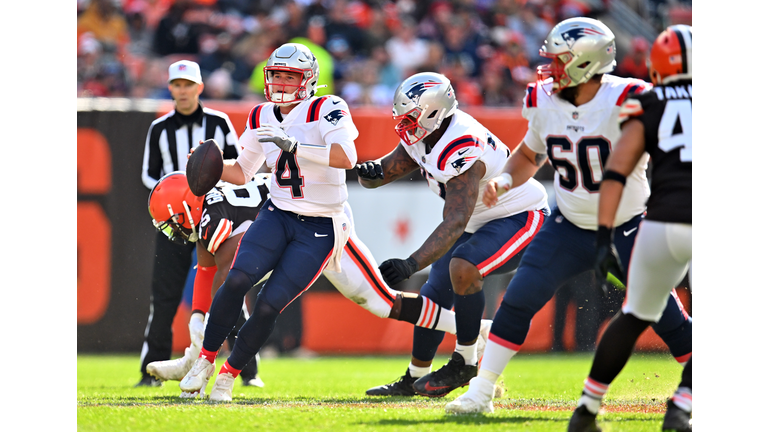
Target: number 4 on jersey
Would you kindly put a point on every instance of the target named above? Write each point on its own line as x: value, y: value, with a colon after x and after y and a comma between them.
x: 288, y: 175
x: 671, y: 137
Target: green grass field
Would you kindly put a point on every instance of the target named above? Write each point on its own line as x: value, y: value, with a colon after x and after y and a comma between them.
x: 328, y: 394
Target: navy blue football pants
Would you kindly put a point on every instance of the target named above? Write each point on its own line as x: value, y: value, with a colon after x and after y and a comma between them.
x: 560, y: 251
x: 495, y: 248
x: 296, y: 248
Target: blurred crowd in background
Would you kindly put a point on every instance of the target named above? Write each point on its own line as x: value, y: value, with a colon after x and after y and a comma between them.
x: 488, y: 48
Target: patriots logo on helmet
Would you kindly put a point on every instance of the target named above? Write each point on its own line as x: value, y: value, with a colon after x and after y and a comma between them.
x: 334, y: 116
x: 571, y: 36
x: 418, y: 89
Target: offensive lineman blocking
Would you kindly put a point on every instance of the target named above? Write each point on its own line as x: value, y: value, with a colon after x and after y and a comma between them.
x: 572, y: 113
x: 457, y: 155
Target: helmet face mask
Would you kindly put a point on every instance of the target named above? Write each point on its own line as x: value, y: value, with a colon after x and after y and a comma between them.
x: 175, y: 211
x: 420, y: 105
x: 580, y: 48
x: 294, y: 58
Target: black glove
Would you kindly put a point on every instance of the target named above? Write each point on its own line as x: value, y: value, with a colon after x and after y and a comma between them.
x: 607, y: 260
x: 396, y: 270
x: 369, y: 170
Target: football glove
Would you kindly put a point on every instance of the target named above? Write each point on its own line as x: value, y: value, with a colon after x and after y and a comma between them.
x: 369, y: 170
x: 276, y: 135
x: 397, y: 270
x: 607, y: 261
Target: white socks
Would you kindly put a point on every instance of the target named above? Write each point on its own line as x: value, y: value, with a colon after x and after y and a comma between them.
x: 418, y: 372
x: 469, y: 352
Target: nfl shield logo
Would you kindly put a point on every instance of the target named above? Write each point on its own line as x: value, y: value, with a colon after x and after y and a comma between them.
x: 344, y: 226
x: 575, y: 115
x: 182, y: 67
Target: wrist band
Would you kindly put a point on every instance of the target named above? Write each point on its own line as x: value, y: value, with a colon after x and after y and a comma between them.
x: 317, y: 154
x: 613, y: 175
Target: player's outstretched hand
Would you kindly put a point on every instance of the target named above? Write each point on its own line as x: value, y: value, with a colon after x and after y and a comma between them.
x: 607, y: 263
x: 495, y: 188
x: 274, y: 134
x: 397, y: 270
x: 369, y: 170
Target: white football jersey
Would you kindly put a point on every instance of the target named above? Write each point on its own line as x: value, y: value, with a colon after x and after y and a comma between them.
x: 465, y: 142
x: 300, y: 185
x: 577, y: 141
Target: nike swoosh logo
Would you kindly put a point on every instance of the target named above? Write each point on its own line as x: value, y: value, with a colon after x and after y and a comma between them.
x: 626, y: 233
x: 428, y: 387
x: 321, y: 235
x: 335, y: 102
x: 461, y: 152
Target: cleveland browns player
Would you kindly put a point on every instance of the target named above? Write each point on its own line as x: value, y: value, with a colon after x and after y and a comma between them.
x: 657, y: 122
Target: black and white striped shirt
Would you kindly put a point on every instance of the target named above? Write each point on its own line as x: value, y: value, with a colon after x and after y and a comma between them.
x: 171, y: 136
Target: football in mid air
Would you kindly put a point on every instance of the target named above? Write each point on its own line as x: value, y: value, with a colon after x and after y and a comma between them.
x: 204, y: 167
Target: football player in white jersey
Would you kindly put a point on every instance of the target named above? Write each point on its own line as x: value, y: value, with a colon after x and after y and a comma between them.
x: 572, y: 112
x: 657, y: 123
x: 216, y: 223
x: 457, y: 156
x: 307, y: 142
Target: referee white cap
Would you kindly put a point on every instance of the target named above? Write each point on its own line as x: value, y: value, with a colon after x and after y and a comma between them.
x: 185, y: 69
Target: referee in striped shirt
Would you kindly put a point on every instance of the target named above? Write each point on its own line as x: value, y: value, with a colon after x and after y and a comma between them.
x: 169, y: 141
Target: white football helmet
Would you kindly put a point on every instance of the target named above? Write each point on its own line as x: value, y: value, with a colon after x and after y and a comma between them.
x: 291, y: 57
x: 420, y: 105
x: 579, y: 48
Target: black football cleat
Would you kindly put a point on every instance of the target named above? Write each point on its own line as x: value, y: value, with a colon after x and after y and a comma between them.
x: 453, y: 375
x: 402, y: 387
x: 583, y: 421
x: 148, y: 381
x: 676, y: 420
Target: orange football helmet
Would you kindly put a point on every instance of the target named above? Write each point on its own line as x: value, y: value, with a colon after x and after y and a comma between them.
x: 174, y: 209
x: 672, y: 55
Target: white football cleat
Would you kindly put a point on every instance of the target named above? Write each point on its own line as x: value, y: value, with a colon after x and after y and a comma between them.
x: 196, y: 380
x: 254, y: 382
x: 475, y: 401
x: 482, y: 339
x: 173, y: 370
x: 222, y: 387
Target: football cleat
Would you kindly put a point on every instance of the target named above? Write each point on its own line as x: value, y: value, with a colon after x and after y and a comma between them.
x: 253, y: 382
x: 173, y: 370
x: 222, y: 387
x: 482, y: 338
x: 476, y: 400
x: 401, y: 387
x: 583, y: 421
x: 453, y: 375
x: 196, y: 380
x: 148, y: 381
x: 676, y: 420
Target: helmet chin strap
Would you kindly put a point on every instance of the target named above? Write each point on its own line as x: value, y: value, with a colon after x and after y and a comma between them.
x: 192, y: 237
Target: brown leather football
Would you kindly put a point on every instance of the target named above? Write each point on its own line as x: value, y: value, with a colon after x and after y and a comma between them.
x: 204, y: 167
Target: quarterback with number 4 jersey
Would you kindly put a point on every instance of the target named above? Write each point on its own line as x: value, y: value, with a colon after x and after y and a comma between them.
x: 306, y: 142
x: 457, y: 155
x: 658, y: 123
x: 572, y: 112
